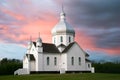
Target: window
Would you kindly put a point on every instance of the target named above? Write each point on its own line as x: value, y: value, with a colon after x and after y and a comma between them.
x: 48, y: 60
x: 72, y: 61
x: 61, y: 39
x: 55, y: 61
x: 69, y: 39
x: 79, y: 61
x: 88, y: 65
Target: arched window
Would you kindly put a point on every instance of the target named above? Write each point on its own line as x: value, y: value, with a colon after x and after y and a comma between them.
x: 72, y: 61
x: 48, y: 60
x: 69, y: 39
x: 61, y: 39
x: 55, y: 60
x: 79, y: 61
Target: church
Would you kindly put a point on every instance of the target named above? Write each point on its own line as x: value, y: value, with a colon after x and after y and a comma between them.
x: 63, y: 55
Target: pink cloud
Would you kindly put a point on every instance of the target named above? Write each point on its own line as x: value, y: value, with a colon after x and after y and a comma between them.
x: 88, y: 43
x: 31, y: 21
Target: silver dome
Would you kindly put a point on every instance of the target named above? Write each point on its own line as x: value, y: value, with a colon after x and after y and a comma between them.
x: 62, y: 26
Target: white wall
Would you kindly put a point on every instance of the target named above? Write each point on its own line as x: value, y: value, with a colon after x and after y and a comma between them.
x: 32, y: 66
x: 38, y: 59
x: 76, y: 52
x: 39, y: 62
x: 25, y: 62
x: 51, y: 66
x: 88, y: 67
x: 63, y: 63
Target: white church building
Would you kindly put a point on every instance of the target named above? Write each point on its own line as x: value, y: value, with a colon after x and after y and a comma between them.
x: 63, y: 55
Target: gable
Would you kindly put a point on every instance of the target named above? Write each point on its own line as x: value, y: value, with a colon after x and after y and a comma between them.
x: 71, y: 46
x: 68, y: 47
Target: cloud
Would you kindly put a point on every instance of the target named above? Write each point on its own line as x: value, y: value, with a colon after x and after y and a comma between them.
x: 104, y: 38
x: 94, y: 13
x: 21, y: 19
x: 24, y: 20
x: 96, y: 22
x: 97, y: 19
x: 109, y: 39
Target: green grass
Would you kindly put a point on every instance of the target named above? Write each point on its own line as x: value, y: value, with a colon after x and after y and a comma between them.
x: 82, y: 76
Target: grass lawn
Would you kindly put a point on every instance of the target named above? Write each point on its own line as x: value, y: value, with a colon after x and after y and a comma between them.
x: 82, y: 76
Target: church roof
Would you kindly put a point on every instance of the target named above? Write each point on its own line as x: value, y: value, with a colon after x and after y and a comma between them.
x: 61, y: 45
x: 51, y: 48
x: 63, y: 27
x: 48, y: 48
x: 86, y: 54
x: 87, y: 60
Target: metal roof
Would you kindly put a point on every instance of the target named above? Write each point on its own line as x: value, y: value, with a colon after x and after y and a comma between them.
x: 63, y: 26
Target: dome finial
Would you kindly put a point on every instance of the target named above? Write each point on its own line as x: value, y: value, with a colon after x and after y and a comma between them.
x: 62, y: 8
x: 62, y: 14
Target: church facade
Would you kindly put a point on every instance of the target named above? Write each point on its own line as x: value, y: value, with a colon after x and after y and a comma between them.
x: 62, y: 55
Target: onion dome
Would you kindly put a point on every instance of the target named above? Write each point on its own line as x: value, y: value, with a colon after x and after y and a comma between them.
x: 62, y: 26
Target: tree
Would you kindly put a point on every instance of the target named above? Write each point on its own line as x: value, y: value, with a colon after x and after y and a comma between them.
x: 107, y: 67
x: 8, y: 66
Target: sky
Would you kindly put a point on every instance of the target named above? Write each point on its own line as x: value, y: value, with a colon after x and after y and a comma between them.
x: 96, y: 22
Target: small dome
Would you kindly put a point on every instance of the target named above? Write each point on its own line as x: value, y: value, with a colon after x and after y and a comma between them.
x: 39, y: 40
x: 30, y: 42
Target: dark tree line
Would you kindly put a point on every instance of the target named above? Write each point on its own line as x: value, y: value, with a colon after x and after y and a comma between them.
x: 8, y: 66
x: 106, y: 67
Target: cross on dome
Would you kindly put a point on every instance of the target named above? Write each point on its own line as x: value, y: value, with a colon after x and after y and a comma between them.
x: 62, y: 14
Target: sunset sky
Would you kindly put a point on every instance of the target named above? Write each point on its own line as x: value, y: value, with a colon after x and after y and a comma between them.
x: 96, y: 22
